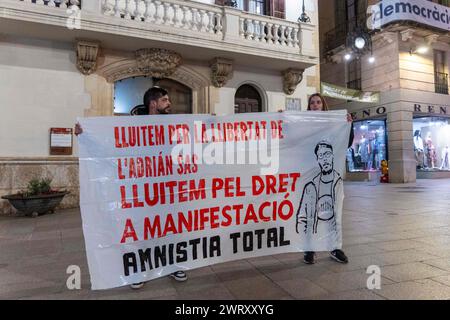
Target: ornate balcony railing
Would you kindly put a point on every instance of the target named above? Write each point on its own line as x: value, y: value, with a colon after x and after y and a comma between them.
x: 199, y: 17
x: 269, y: 31
x: 196, y: 24
x: 63, y: 4
x: 183, y: 15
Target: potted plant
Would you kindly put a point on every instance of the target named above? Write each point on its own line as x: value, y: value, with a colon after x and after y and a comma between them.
x: 39, y: 198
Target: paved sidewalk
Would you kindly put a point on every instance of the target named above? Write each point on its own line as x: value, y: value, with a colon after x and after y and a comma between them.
x: 404, y: 229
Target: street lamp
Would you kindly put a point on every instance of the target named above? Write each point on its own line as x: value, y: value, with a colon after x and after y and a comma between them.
x: 359, y: 42
x: 304, y: 17
x: 420, y: 50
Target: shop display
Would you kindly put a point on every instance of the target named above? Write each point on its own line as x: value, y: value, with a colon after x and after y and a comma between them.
x: 432, y: 151
x: 418, y: 149
x: 444, y: 159
x: 384, y: 172
x: 369, y: 146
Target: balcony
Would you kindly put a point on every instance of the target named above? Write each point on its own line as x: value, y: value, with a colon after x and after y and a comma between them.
x: 196, y: 30
x: 354, y: 84
x: 337, y: 36
x: 441, y: 82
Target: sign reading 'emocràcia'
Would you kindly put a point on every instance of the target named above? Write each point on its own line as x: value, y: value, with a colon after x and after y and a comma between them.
x: 424, y: 12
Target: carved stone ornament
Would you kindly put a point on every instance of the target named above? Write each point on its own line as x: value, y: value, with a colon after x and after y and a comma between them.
x: 291, y: 78
x: 333, y: 58
x: 221, y: 71
x: 432, y: 38
x: 383, y: 39
x: 87, y: 53
x: 158, y: 63
x: 407, y: 34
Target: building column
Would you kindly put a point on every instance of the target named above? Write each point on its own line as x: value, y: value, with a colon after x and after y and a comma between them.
x: 402, y: 164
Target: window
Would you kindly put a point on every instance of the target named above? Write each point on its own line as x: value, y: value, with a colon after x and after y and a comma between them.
x: 274, y: 8
x: 354, y: 74
x: 129, y: 93
x: 247, y: 99
x: 253, y: 6
x: 349, y: 14
x: 440, y: 72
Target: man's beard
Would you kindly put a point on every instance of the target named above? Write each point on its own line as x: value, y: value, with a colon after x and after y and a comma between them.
x: 163, y: 111
x: 326, y: 172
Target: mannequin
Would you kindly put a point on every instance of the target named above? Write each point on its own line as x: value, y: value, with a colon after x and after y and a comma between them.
x: 372, y: 151
x: 430, y: 152
x: 350, y: 159
x: 376, y: 152
x: 364, y: 151
x: 445, y: 159
x: 418, y: 149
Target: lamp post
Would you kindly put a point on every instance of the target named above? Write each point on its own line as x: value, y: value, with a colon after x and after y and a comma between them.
x: 304, y: 17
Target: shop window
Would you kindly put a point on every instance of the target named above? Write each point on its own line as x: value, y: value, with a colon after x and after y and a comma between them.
x: 369, y: 146
x: 129, y: 93
x: 431, y: 143
x: 247, y: 99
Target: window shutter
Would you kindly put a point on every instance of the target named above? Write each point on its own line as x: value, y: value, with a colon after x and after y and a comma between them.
x: 278, y: 8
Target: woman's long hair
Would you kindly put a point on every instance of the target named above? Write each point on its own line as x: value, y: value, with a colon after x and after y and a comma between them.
x: 324, y: 103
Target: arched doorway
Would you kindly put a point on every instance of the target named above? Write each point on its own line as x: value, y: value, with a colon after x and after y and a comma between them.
x: 247, y: 99
x: 129, y: 93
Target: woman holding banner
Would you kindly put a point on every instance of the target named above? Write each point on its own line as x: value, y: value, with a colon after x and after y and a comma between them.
x: 317, y: 102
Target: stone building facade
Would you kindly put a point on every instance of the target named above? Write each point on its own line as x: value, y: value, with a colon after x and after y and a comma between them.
x: 409, y: 67
x: 64, y: 59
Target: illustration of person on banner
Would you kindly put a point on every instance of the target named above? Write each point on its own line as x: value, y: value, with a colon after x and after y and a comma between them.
x: 316, y: 216
x: 320, y: 203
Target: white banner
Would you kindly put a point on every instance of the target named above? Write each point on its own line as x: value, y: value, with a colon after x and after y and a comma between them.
x: 159, y: 194
x: 425, y: 12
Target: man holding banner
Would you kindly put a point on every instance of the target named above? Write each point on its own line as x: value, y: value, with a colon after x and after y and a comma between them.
x: 156, y: 101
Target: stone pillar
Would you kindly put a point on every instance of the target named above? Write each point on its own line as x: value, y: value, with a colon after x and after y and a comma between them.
x: 231, y: 24
x: 402, y: 164
x: 94, y: 6
x: 102, y: 96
